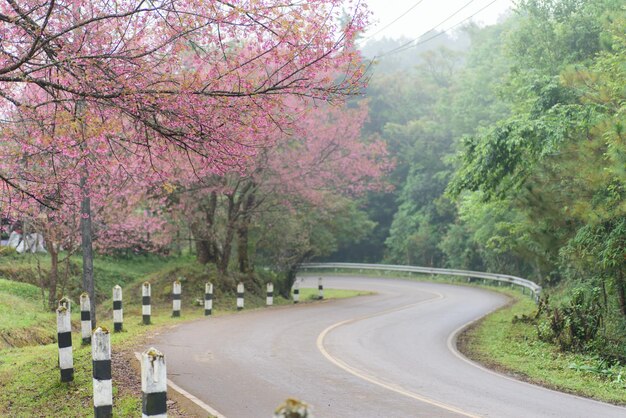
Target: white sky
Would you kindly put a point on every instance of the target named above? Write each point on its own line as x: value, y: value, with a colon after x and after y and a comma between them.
x: 427, y: 15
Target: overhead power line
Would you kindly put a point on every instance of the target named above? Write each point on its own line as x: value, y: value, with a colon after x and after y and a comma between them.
x: 412, y: 43
x: 395, y: 20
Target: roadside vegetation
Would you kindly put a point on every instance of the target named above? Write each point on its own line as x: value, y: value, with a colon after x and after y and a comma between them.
x: 29, y: 372
x: 507, y: 341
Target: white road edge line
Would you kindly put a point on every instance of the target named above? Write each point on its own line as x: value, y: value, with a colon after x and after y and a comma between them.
x: 189, y: 396
x: 369, y: 378
x: 452, y: 346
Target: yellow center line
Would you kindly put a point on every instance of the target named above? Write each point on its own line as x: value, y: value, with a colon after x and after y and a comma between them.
x: 373, y: 379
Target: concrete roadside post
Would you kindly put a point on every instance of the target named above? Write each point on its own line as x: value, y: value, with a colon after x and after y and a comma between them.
x: 85, y: 318
x: 146, y: 309
x: 153, y: 384
x: 296, y: 291
x: 118, y: 313
x: 176, y: 291
x: 64, y: 339
x: 102, y: 383
x: 208, y: 299
x: 320, y: 289
x: 269, y: 300
x: 240, y: 290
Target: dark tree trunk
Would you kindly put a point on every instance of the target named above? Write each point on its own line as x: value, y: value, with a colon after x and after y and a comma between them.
x: 292, y: 271
x: 227, y: 249
x: 53, y: 276
x: 87, y: 249
x: 234, y: 208
x: 290, y: 278
x: 242, y: 249
x: 203, y: 251
x: 243, y: 232
x: 204, y: 235
x: 621, y: 292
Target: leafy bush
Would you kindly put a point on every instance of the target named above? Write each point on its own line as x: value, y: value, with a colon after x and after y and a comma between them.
x: 576, y: 324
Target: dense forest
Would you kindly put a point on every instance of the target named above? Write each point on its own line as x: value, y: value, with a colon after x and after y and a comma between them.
x: 510, y: 157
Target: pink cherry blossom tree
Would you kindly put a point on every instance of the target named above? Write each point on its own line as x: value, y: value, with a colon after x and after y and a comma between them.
x: 324, y: 159
x: 132, y: 84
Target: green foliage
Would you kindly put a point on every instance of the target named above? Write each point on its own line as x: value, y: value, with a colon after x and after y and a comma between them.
x: 534, y: 111
x: 573, y: 325
x: 509, y: 345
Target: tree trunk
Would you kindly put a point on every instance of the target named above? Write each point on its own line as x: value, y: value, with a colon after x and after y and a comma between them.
x: 234, y: 206
x: 242, y: 249
x: 206, y: 248
x: 87, y: 249
x: 292, y: 271
x: 243, y: 232
x: 621, y: 292
x: 224, y: 258
x: 53, y: 276
x: 203, y: 251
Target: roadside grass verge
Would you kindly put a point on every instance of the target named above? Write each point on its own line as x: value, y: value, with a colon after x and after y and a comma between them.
x: 108, y: 271
x: 30, y: 378
x: 23, y: 320
x: 514, y: 349
x: 309, y: 294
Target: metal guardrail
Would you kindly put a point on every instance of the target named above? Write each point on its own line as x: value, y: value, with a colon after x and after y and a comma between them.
x: 528, y: 284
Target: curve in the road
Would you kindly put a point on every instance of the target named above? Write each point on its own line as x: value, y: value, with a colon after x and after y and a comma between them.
x: 389, y: 357
x: 373, y: 379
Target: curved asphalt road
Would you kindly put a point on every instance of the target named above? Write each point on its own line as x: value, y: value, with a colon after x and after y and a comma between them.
x: 387, y: 355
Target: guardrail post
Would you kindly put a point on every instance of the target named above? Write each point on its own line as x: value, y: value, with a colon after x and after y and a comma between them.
x: 320, y: 289
x: 102, y: 383
x: 176, y: 291
x: 208, y: 299
x: 64, y: 339
x: 296, y: 292
x: 153, y: 384
x: 146, y: 309
x: 269, y: 300
x: 118, y: 313
x: 85, y: 318
x: 240, y: 290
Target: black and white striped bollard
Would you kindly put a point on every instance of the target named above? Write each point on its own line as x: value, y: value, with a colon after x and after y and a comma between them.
x: 153, y: 384
x: 208, y: 298
x: 64, y: 338
x: 118, y: 313
x: 176, y: 290
x: 240, y: 290
x: 269, y: 300
x: 102, y: 383
x: 85, y: 318
x: 146, y: 310
x: 320, y: 289
x: 296, y: 292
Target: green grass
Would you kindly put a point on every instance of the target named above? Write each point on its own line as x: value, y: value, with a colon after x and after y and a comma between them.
x: 312, y: 294
x: 108, y: 271
x: 30, y: 383
x: 499, y: 343
x: 29, y: 376
x: 22, y: 318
